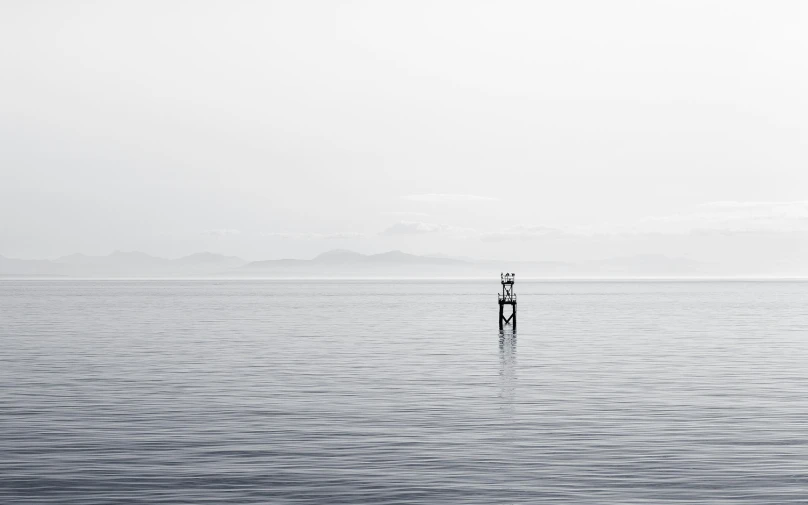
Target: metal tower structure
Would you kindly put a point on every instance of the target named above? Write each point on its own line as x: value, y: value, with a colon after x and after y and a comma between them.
x: 507, y: 297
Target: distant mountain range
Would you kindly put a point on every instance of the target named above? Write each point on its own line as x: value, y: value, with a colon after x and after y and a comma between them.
x: 342, y: 263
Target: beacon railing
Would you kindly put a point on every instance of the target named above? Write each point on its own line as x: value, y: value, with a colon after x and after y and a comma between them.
x: 506, y: 298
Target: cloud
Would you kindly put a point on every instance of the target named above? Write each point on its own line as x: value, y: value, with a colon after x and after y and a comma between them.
x: 522, y: 232
x: 412, y: 228
x: 716, y: 218
x: 712, y: 218
x: 406, y: 213
x: 447, y: 197
x: 314, y: 236
x: 347, y: 235
x: 800, y: 205
x: 420, y: 228
x: 221, y: 232
x: 733, y: 217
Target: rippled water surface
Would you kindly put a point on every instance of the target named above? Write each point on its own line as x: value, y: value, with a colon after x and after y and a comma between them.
x: 348, y: 392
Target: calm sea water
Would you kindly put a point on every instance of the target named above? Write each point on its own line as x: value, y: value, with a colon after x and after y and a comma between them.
x: 394, y: 392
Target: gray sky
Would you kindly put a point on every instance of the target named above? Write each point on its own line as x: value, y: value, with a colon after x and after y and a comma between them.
x: 525, y: 130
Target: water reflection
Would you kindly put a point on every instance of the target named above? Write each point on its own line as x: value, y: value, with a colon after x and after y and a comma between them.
x: 507, y: 366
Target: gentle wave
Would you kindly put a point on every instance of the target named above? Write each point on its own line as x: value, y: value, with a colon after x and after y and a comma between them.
x: 389, y: 392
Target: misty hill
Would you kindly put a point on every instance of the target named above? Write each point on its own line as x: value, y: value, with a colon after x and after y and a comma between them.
x: 209, y: 260
x: 11, y: 266
x: 338, y: 257
x: 119, y: 262
x: 343, y: 263
x: 646, y: 264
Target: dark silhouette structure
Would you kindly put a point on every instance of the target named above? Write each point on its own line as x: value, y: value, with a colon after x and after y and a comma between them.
x: 507, y: 298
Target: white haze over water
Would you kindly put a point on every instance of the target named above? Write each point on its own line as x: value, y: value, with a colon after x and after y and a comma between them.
x: 556, y: 131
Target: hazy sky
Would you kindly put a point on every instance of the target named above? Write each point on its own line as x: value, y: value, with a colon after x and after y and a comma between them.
x: 546, y: 130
